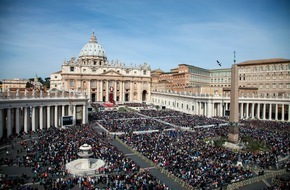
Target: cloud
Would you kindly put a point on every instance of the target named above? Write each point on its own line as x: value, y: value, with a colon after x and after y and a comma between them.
x: 162, y: 33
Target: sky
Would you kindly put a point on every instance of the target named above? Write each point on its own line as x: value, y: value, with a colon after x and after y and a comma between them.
x: 36, y: 37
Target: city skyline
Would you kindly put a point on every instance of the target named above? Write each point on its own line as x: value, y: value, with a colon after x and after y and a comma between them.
x: 36, y: 38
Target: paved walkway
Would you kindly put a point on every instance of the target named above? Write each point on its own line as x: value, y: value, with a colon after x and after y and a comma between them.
x: 145, y: 165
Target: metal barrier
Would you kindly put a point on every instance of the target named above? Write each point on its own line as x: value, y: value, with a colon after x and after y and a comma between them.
x: 184, y: 184
x: 162, y: 170
x: 252, y: 180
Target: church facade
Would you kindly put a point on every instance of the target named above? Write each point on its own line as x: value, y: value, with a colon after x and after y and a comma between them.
x: 103, y: 81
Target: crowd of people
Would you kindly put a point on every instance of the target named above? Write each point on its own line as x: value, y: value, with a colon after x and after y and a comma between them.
x: 274, y: 126
x: 114, y: 115
x: 47, y: 155
x: 190, y: 155
x: 133, y: 124
x: 186, y: 155
x: 146, y: 120
x: 202, y: 164
x: 181, y: 119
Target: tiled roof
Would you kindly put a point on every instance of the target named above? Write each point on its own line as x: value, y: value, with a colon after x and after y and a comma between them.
x: 264, y: 61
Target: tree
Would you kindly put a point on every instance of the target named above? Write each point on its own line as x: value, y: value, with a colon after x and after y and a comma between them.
x: 47, y: 82
x: 28, y: 85
x: 40, y: 80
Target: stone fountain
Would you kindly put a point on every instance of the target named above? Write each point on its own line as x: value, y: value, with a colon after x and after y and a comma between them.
x: 85, y: 166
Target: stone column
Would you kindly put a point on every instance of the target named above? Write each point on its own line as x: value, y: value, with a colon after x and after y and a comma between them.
x: 115, y: 90
x: 21, y: 118
x: 276, y: 112
x: 36, y: 118
x: 85, y: 115
x: 74, y: 115
x: 101, y: 91
x: 9, y: 122
x: 209, y: 109
x: 70, y: 109
x: 253, y: 110
x: 25, y: 119
x: 56, y: 116
x: 258, y: 111
x: 221, y: 109
x: 44, y: 118
x: 12, y: 120
x: 41, y: 117
x: 283, y: 112
x: 63, y: 110
x: 288, y: 112
x: 89, y: 90
x: 97, y: 91
x: 33, y: 119
x: 264, y: 111
x: 107, y: 91
x: 121, y: 91
x: 247, y: 110
x: 270, y: 111
x: 213, y: 108
x: 242, y: 110
x: 1, y: 123
x: 205, y: 111
x: 17, y: 120
x: 148, y: 89
x: 138, y: 88
x: 131, y: 91
x: 125, y: 91
x: 48, y: 117
x: 201, y: 108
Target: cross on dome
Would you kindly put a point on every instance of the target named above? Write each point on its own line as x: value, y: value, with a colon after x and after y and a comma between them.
x: 93, y: 38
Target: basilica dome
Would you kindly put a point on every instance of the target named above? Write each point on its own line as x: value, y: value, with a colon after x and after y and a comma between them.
x: 92, y: 48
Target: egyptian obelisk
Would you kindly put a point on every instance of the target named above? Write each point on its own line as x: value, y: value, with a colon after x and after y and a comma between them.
x: 233, y: 135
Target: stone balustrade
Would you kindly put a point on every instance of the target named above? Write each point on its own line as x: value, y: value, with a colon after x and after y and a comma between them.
x: 42, y: 94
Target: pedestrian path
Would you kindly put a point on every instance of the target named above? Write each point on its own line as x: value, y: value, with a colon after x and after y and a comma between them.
x: 145, y: 165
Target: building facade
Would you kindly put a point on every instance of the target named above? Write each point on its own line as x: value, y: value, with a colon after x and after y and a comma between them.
x: 264, y: 92
x: 155, y: 79
x: 271, y: 77
x: 102, y: 80
x: 185, y: 77
x: 220, y: 77
x: 14, y: 84
x: 56, y: 81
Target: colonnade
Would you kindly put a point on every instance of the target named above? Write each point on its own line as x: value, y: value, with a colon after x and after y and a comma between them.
x: 34, y: 111
x: 122, y: 91
x: 32, y: 118
x: 213, y: 106
x: 265, y: 110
